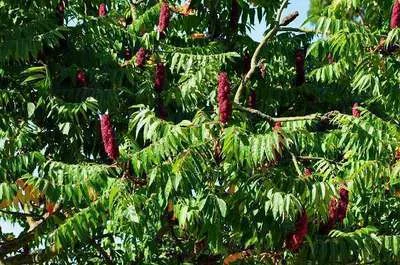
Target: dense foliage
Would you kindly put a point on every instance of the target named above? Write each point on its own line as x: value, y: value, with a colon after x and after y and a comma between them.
x: 147, y: 132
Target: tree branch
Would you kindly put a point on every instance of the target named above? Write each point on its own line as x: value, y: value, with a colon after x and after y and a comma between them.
x: 272, y: 120
x: 296, y: 29
x: 19, y: 214
x: 17, y: 243
x: 39, y: 257
x: 271, y: 33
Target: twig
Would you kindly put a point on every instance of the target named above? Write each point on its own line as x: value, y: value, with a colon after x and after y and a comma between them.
x: 296, y: 165
x: 272, y: 120
x: 308, y: 158
x: 264, y: 116
x: 296, y: 29
x: 271, y: 33
x: 19, y: 214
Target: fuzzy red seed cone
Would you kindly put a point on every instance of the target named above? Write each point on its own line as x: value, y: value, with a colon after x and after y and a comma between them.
x: 163, y: 20
x: 108, y: 136
x: 140, y: 57
x: 332, y: 217
x: 355, y: 112
x: 234, y: 20
x: 224, y: 103
x: 251, y: 101
x: 299, y: 63
x: 81, y: 78
x: 395, y: 18
x: 102, y: 11
x: 159, y: 78
x: 342, y: 204
x: 295, y: 240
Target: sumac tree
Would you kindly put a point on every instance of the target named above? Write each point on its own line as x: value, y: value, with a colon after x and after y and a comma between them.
x: 159, y: 132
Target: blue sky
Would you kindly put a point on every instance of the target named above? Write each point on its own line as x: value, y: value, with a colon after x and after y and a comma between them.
x: 295, y: 5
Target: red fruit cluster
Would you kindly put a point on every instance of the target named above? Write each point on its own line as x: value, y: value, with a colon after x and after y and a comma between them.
x: 224, y: 103
x: 81, y: 78
x: 251, y: 101
x: 140, y: 57
x: 294, y: 241
x: 395, y: 18
x: 159, y: 78
x: 342, y: 205
x: 60, y: 10
x: 308, y: 172
x: 102, y: 10
x: 336, y: 210
x: 299, y: 63
x: 234, y: 21
x: 163, y: 20
x: 108, y: 136
x: 356, y: 113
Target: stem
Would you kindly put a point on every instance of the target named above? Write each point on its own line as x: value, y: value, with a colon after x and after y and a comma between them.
x: 296, y: 165
x: 19, y: 214
x: 271, y: 33
x: 296, y: 29
x: 272, y: 120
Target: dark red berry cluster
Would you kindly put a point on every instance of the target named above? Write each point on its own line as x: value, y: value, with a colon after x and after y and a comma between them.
x: 336, y: 210
x: 395, y: 18
x: 80, y: 78
x: 159, y: 80
x: 163, y: 20
x: 102, y: 10
x: 108, y: 136
x: 295, y: 240
x: 140, y: 57
x: 224, y: 103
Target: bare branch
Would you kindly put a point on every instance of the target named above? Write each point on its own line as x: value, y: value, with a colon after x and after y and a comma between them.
x: 20, y: 214
x: 270, y: 34
x: 272, y: 120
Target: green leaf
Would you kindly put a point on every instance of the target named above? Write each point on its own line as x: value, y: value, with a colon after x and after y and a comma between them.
x: 31, y: 109
x: 222, y: 206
